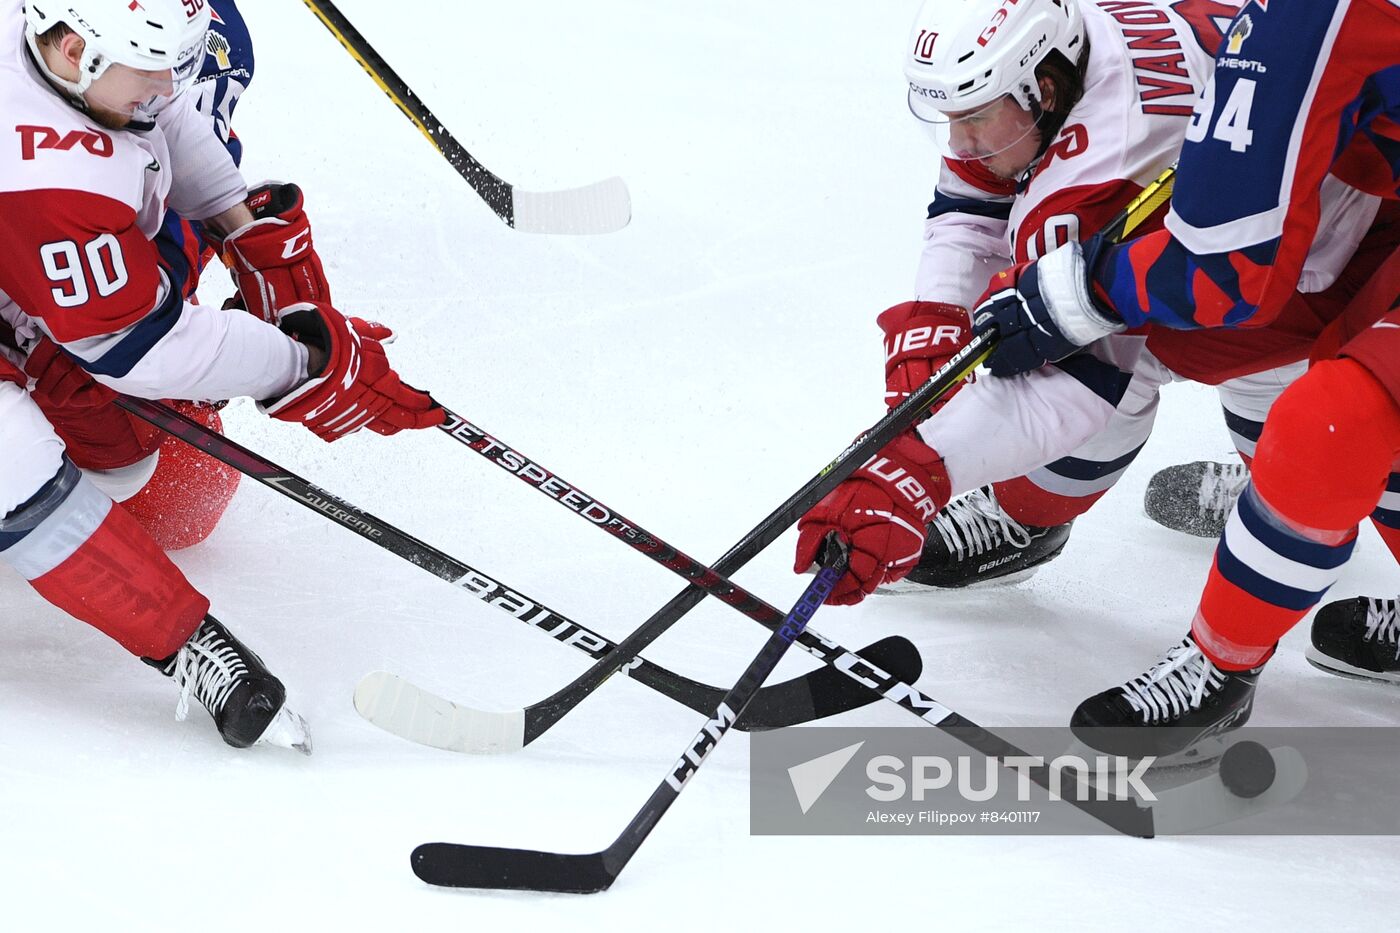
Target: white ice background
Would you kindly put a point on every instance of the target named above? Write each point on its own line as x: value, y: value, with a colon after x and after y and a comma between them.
x: 690, y: 371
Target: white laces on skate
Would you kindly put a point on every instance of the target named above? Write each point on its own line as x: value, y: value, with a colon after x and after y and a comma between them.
x: 209, y: 668
x: 1177, y: 683
x: 1383, y: 622
x: 1221, y: 485
x: 975, y: 524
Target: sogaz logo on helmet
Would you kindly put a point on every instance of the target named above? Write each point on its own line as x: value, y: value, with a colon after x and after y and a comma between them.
x: 998, y: 18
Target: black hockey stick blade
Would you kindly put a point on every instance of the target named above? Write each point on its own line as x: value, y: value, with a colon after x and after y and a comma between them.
x: 404, y: 709
x: 829, y: 692
x: 469, y: 866
x: 451, y: 865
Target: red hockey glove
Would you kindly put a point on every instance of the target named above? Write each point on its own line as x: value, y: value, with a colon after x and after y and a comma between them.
x: 60, y: 383
x: 355, y: 388
x: 881, y: 511
x: 273, y: 258
x: 920, y: 336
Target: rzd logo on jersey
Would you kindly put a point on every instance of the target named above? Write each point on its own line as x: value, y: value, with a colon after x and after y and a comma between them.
x: 34, y: 138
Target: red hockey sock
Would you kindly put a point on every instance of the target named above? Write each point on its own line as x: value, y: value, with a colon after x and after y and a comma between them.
x: 122, y: 584
x: 1391, y: 537
x: 1028, y: 504
x: 1322, y: 465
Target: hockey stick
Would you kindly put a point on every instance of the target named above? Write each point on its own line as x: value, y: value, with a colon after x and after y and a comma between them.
x: 539, y: 717
x: 468, y: 866
x: 794, y: 701
x: 1126, y: 816
x: 601, y: 207
x: 409, y: 711
x: 1140, y: 208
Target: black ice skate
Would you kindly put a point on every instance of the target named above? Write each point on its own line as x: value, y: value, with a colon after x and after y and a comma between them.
x: 1358, y: 637
x: 1195, y: 498
x: 247, y: 702
x: 973, y: 541
x: 1184, y: 699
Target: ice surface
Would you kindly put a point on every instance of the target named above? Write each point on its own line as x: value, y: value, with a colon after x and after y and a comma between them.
x: 674, y: 370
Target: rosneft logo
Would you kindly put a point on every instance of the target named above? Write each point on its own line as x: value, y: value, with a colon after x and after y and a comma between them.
x: 219, y: 48
x: 1243, y: 28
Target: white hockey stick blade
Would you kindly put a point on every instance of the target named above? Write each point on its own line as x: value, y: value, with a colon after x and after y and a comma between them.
x: 410, y: 712
x: 1205, y: 802
x: 602, y: 207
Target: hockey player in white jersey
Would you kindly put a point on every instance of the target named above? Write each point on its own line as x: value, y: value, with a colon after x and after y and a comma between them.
x: 1050, y: 116
x: 103, y: 141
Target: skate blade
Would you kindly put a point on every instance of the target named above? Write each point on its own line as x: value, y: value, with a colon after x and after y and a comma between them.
x: 1203, y: 753
x: 1332, y: 666
x: 907, y: 587
x: 287, y: 730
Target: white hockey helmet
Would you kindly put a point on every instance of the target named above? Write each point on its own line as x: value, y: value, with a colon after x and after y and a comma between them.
x: 964, y: 54
x: 144, y: 35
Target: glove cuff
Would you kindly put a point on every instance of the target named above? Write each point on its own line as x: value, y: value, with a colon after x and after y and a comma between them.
x: 1064, y: 287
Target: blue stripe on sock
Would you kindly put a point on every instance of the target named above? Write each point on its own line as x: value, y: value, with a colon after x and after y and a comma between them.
x: 1256, y: 584
x: 1288, y: 544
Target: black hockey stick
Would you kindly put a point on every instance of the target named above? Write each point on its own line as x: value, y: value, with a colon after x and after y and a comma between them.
x: 602, y: 207
x: 816, y: 694
x: 468, y: 866
x: 539, y: 717
x: 1124, y: 815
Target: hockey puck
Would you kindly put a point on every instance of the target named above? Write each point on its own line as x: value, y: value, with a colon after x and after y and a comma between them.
x: 1247, y: 769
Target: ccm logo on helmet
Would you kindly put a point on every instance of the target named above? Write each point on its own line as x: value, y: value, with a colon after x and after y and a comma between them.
x: 998, y: 18
x: 923, y: 46
x: 1031, y: 53
x: 34, y: 138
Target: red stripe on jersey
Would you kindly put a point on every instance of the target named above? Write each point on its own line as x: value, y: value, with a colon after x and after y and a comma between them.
x: 1364, y: 166
x: 1212, y: 304
x: 1252, y: 279
x: 77, y: 260
x: 1355, y: 54
x: 979, y: 176
x: 1093, y: 206
x: 1143, y: 254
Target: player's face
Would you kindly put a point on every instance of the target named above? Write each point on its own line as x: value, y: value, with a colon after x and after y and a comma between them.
x: 113, y: 98
x: 1001, y: 135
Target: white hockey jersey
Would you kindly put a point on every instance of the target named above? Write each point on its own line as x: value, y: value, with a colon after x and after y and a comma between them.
x: 1147, y: 61
x: 79, y: 206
